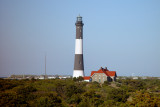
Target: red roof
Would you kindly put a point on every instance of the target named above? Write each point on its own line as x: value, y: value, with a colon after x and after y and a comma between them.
x: 106, y: 71
x: 86, y: 78
x: 111, y: 73
x: 93, y: 72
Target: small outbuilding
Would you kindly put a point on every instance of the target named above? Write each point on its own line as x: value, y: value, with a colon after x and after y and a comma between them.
x: 87, y: 78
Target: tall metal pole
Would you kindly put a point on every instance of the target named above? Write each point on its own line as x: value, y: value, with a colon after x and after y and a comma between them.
x: 45, y: 67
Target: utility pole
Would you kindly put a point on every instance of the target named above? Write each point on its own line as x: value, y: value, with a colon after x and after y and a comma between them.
x: 45, y: 77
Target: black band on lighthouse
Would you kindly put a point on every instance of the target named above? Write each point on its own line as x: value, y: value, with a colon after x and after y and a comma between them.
x: 79, y: 30
x: 78, y: 63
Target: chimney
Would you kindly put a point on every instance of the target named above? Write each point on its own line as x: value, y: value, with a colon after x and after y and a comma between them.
x: 101, y: 68
x: 106, y: 68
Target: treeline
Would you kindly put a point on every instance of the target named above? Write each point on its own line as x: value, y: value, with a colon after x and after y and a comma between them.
x: 75, y: 93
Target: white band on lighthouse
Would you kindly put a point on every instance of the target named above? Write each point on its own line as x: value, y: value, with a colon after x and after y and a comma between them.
x: 79, y: 46
x: 78, y: 73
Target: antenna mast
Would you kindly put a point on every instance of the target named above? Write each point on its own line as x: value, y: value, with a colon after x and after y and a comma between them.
x: 45, y: 67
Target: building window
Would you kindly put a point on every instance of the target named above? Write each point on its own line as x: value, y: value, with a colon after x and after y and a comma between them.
x: 80, y: 30
x: 79, y: 62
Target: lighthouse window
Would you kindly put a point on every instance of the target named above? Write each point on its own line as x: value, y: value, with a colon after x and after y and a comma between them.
x: 80, y: 30
x: 79, y: 18
x: 79, y: 62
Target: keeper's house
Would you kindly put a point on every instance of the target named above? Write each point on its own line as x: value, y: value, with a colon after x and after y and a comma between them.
x: 103, y: 74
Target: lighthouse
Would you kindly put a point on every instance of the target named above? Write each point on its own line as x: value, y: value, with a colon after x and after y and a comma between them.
x: 78, y: 61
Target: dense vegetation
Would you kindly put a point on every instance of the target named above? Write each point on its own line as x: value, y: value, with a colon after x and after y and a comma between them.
x: 67, y: 93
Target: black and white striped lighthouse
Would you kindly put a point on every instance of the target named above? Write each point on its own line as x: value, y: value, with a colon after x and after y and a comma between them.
x: 78, y: 61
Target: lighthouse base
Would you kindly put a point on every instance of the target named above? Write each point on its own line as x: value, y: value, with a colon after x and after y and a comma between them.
x: 77, y: 73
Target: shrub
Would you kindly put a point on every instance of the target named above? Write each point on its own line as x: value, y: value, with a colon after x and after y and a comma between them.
x: 118, y: 95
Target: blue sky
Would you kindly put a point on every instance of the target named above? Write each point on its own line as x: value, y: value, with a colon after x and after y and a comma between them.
x: 123, y: 35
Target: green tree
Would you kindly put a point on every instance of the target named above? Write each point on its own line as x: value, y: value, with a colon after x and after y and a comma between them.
x: 118, y: 95
x: 75, y: 99
x: 92, y: 98
x: 48, y: 101
x: 145, y: 99
x: 74, y: 79
x: 11, y: 99
x: 80, y: 78
x: 106, y: 83
x: 73, y: 89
